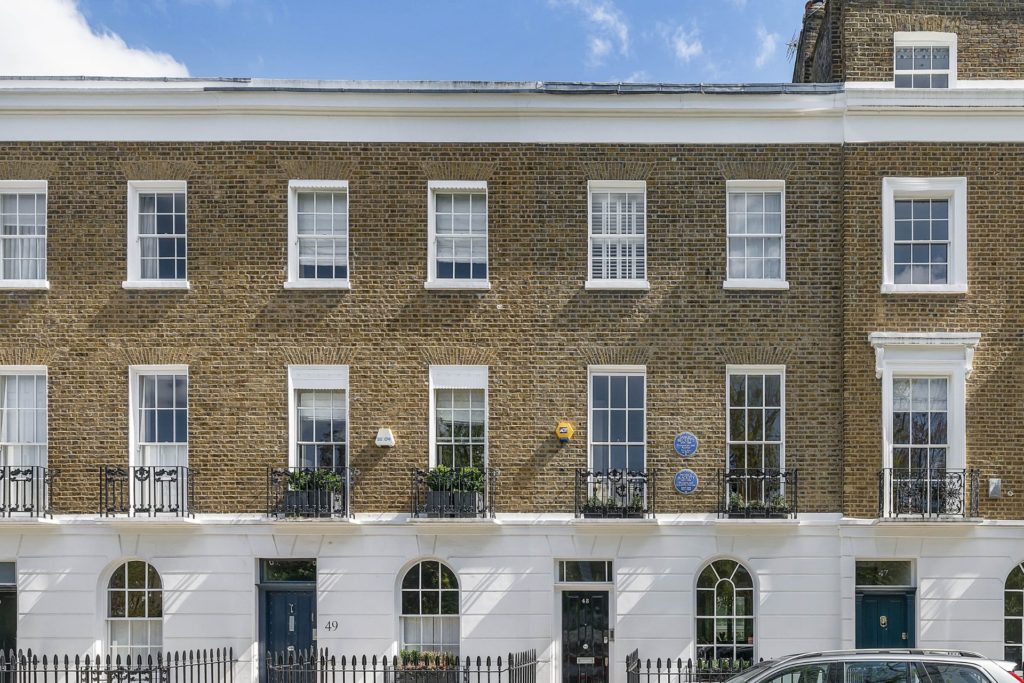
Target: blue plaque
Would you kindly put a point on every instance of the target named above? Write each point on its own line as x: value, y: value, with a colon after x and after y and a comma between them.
x: 686, y: 444
x: 686, y: 481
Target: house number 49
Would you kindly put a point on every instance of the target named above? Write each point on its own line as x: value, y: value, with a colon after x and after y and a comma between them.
x: 331, y: 626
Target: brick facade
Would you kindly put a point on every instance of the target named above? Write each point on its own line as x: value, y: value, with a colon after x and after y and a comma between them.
x: 537, y: 328
x: 854, y: 41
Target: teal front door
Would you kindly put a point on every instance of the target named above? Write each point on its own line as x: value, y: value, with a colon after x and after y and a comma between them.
x: 885, y: 620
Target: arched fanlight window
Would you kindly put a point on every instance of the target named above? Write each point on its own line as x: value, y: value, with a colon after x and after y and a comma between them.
x: 430, y: 608
x: 1013, y: 611
x: 135, y: 610
x: 725, y: 612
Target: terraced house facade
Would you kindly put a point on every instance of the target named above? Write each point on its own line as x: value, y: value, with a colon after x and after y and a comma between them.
x: 705, y: 371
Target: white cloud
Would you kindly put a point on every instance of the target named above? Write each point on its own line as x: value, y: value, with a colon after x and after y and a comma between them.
x: 769, y: 44
x: 638, y: 77
x: 53, y: 38
x: 684, y: 44
x: 609, y: 26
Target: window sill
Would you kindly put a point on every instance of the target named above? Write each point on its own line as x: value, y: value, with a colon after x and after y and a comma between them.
x: 756, y: 284
x: 156, y: 284
x: 635, y: 285
x: 457, y: 284
x: 888, y: 288
x: 24, y: 284
x: 317, y: 284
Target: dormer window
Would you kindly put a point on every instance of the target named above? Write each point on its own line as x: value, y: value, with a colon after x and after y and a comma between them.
x: 924, y: 59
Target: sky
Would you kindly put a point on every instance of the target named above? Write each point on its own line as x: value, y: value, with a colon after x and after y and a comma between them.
x: 682, y: 41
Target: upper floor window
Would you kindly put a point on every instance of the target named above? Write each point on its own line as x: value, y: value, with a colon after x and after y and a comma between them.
x: 23, y: 234
x: 157, y: 234
x: 318, y: 234
x: 319, y: 424
x: 924, y: 235
x: 457, y: 227
x: 756, y: 234
x: 924, y: 59
x: 618, y: 425
x: 756, y: 434
x: 617, y: 234
x: 135, y: 609
x: 23, y: 438
x: 458, y: 431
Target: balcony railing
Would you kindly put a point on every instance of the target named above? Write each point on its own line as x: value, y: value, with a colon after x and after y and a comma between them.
x: 615, y: 493
x: 25, y: 491
x: 928, y: 493
x: 310, y: 492
x: 755, y: 493
x: 454, y: 493
x: 149, y: 491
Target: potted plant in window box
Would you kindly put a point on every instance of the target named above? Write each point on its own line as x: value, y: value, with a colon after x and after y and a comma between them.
x: 778, y: 507
x: 595, y: 506
x: 439, y: 481
x: 467, y: 492
x: 634, y: 508
x: 312, y: 492
x: 756, y: 508
x: 414, y: 666
x: 737, y: 506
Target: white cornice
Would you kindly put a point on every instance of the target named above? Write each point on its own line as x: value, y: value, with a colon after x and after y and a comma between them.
x: 882, y: 342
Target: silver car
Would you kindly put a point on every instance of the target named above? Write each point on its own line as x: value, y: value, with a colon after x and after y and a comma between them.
x: 882, y: 666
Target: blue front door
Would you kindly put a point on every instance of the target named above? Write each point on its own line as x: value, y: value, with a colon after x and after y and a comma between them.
x: 885, y: 620
x: 290, y: 621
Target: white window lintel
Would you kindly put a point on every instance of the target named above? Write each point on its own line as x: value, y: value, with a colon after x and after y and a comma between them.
x: 924, y: 349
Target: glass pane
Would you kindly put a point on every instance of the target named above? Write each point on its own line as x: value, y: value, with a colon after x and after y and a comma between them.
x: 883, y: 573
x: 289, y: 570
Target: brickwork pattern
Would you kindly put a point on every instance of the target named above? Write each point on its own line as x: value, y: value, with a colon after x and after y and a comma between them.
x: 992, y: 306
x: 237, y: 328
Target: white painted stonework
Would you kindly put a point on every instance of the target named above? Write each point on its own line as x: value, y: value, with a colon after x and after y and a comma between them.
x: 803, y: 572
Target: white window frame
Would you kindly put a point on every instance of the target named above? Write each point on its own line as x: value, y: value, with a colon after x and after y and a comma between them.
x: 779, y: 370
x: 109, y: 620
x: 611, y: 186
x: 927, y: 39
x: 756, y: 186
x: 30, y: 187
x: 953, y: 189
x: 34, y: 371
x: 443, y: 186
x: 134, y: 372
x: 134, y: 278
x: 313, y: 377
x: 623, y: 370
x: 294, y: 281
x: 936, y: 354
x: 457, y: 377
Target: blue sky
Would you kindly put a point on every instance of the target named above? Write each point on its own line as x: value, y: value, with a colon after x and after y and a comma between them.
x: 589, y: 40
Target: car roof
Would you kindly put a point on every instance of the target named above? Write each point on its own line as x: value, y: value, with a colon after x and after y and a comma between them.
x: 888, y: 652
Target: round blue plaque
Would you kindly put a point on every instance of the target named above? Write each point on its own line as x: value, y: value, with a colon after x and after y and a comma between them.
x: 686, y: 444
x: 686, y: 481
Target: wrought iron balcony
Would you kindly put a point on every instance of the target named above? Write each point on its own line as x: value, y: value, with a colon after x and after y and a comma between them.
x: 25, y: 491
x: 310, y: 492
x: 454, y: 493
x: 754, y: 493
x: 929, y: 493
x: 615, y: 493
x: 149, y: 491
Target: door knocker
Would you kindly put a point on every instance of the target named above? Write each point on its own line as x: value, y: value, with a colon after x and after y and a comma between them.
x: 883, y: 621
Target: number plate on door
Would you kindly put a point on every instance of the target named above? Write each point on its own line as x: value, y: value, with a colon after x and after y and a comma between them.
x: 584, y: 660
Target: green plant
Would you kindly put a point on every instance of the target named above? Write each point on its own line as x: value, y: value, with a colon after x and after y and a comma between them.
x: 470, y: 480
x: 737, y: 501
x: 315, y: 480
x: 756, y: 504
x: 440, y: 478
x: 636, y: 502
x: 594, y: 503
x: 778, y: 502
x: 415, y: 659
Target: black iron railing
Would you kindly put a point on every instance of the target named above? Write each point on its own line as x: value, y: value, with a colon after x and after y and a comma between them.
x: 320, y: 667
x: 310, y: 492
x: 191, y: 666
x: 928, y: 493
x: 454, y: 493
x: 677, y: 671
x: 753, y: 493
x: 614, y: 493
x: 25, y: 491
x: 150, y: 491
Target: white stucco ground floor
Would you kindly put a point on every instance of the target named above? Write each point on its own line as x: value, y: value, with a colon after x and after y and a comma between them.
x: 804, y: 591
